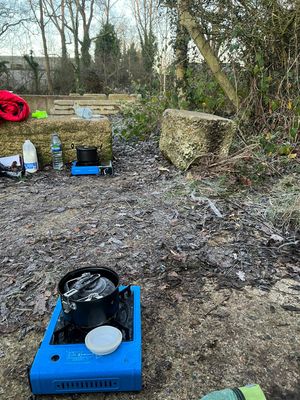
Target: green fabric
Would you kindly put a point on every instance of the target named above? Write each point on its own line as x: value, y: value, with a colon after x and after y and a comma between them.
x: 39, y: 114
x: 252, y: 392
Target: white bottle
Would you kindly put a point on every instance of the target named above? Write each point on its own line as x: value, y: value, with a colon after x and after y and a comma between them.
x: 30, y: 157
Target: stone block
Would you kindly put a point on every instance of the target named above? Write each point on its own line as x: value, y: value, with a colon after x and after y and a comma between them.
x: 64, y: 102
x: 188, y: 135
x: 96, y: 95
x: 63, y: 107
x: 86, y: 103
x: 93, y: 102
x: 70, y: 130
x: 61, y: 111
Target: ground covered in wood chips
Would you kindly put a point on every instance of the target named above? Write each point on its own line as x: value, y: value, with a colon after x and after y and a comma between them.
x: 220, y: 282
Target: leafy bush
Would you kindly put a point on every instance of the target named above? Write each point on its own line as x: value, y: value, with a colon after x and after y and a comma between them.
x: 143, y: 118
x: 204, y: 93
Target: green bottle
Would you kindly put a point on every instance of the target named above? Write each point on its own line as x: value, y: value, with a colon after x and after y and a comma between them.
x: 249, y: 392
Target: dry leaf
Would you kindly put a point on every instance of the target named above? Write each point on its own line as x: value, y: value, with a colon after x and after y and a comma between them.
x: 178, y: 256
x: 40, y: 303
x: 173, y: 274
x: 163, y: 287
x: 178, y: 297
x: 189, y: 176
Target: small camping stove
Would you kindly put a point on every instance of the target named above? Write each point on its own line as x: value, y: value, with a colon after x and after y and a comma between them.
x: 63, y: 364
x: 78, y: 169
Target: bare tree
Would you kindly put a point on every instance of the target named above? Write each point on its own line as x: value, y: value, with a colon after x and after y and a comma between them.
x: 107, y: 7
x: 86, y: 10
x: 145, y: 13
x: 81, y: 12
x: 10, y: 16
x: 38, y: 11
x: 192, y: 25
x: 74, y: 28
x: 181, y: 52
x: 56, y: 12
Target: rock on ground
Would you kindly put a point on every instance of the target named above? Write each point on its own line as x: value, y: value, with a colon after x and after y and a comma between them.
x: 187, y: 136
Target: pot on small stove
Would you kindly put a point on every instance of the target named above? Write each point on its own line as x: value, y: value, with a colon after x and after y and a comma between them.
x: 89, y: 296
x: 87, y: 155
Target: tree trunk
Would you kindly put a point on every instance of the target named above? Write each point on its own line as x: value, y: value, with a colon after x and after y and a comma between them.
x: 181, y: 49
x: 85, y: 50
x: 77, y: 68
x: 44, y: 40
x: 64, y: 53
x: 192, y: 26
x: 59, y: 22
x: 74, y: 16
x: 87, y: 16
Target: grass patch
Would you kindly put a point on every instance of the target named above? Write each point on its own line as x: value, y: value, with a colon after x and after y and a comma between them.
x: 285, y: 203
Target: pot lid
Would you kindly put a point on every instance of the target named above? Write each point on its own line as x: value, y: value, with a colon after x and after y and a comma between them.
x: 86, y: 148
x: 103, y: 340
x: 88, y: 286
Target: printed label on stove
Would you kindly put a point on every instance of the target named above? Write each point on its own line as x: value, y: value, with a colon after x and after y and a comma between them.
x: 80, y: 356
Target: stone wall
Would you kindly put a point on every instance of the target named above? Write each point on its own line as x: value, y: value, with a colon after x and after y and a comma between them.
x: 45, y: 102
x: 70, y: 130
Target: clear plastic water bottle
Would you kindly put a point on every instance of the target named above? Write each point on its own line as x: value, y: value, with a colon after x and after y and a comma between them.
x: 249, y: 392
x: 56, y: 150
x: 84, y: 112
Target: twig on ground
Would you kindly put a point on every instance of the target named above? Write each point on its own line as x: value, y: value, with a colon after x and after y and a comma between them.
x: 210, y: 203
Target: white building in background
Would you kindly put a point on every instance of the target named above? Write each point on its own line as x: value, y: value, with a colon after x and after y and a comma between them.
x: 20, y: 76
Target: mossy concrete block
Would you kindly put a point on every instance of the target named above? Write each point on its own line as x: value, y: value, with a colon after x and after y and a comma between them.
x: 62, y: 111
x: 70, y: 130
x: 64, y: 102
x: 188, y: 135
x: 101, y: 96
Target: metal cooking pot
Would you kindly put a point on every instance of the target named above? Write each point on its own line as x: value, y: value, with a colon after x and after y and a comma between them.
x: 89, y: 296
x: 87, y: 155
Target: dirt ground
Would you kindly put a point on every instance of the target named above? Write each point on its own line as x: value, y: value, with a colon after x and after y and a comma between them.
x: 220, y: 293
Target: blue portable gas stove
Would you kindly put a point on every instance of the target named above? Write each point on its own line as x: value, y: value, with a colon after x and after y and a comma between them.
x: 63, y: 364
x: 77, y: 169
x: 89, y: 162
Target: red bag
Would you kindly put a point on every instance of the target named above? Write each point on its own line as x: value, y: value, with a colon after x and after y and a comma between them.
x: 12, y: 107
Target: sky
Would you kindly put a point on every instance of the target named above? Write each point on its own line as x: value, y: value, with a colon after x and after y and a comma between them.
x: 27, y: 37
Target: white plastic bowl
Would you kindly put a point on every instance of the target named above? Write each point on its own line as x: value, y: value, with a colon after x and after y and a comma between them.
x: 103, y: 340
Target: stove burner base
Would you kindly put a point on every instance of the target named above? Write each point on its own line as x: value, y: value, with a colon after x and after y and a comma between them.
x: 91, y: 169
x: 72, y: 368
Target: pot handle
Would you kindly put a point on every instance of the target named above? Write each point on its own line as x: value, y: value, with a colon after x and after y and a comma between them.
x: 67, y: 305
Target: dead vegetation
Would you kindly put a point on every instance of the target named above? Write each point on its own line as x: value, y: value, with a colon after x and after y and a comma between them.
x: 285, y: 203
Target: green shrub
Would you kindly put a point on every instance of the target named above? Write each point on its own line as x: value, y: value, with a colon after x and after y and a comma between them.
x: 143, y: 118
